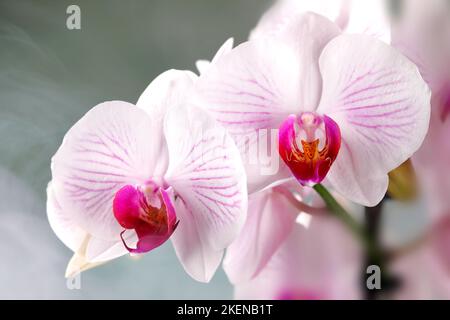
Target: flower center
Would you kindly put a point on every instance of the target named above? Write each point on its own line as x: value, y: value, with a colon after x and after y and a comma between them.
x: 309, y: 144
x: 148, y: 211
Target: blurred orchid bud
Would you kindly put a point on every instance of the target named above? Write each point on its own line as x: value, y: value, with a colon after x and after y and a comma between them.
x: 402, y: 182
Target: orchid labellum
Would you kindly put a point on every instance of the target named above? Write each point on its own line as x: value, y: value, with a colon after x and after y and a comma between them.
x: 129, y: 177
x: 348, y: 108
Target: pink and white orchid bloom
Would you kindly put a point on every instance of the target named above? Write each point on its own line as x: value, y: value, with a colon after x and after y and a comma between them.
x: 422, y: 33
x: 321, y: 262
x: 349, y: 108
x: 126, y: 178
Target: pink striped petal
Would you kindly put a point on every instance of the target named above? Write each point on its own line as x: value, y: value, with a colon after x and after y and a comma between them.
x: 62, y: 224
x: 270, y: 220
x: 113, y: 145
x: 382, y: 107
x: 167, y: 90
x: 198, y: 258
x: 249, y: 95
x: 252, y: 89
x: 72, y: 235
x: 207, y: 176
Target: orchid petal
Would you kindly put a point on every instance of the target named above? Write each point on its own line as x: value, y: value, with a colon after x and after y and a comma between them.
x: 251, y: 86
x: 283, y: 12
x: 428, y: 279
x: 78, y: 264
x: 223, y: 50
x: 270, y: 220
x: 254, y: 87
x: 203, y: 65
x: 196, y: 255
x: 167, y: 90
x: 95, y: 250
x: 113, y: 145
x: 63, y: 226
x: 382, y: 107
x: 369, y: 17
x: 101, y: 252
x: 321, y: 262
x: 422, y: 33
x: 207, y: 176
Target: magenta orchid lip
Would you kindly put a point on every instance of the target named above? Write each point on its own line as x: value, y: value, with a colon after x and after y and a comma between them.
x: 147, y: 210
x: 309, y: 144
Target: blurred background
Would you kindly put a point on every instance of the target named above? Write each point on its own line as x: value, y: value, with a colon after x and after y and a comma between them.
x: 49, y: 77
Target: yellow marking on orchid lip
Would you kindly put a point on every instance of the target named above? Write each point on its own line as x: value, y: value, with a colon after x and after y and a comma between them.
x: 311, y: 153
x: 295, y: 152
x: 310, y: 148
x: 157, y: 217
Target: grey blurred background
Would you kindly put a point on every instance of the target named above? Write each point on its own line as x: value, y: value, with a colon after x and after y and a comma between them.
x: 49, y: 77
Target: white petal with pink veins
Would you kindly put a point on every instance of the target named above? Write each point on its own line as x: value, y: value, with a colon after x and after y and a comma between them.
x: 382, y: 107
x: 113, y: 145
x: 251, y: 87
x: 195, y: 253
x: 169, y: 89
x: 250, y: 90
x: 95, y: 249
x: 63, y: 226
x: 308, y: 34
x: 207, y: 175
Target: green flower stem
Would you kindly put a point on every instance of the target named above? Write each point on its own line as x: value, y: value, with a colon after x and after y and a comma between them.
x: 358, y: 230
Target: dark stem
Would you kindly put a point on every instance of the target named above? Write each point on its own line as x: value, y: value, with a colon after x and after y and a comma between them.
x: 357, y: 229
x: 373, y: 216
x: 368, y: 234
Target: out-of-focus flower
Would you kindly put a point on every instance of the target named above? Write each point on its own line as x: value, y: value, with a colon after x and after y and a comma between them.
x: 125, y: 173
x: 272, y: 215
x: 424, y: 268
x: 369, y: 17
x: 270, y: 219
x: 422, y: 32
x: 347, y: 99
x: 319, y: 262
